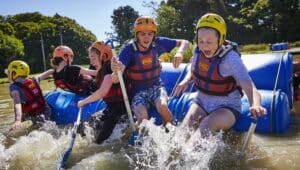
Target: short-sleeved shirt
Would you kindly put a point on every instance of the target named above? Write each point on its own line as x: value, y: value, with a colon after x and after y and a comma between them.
x: 127, y: 57
x: 231, y: 65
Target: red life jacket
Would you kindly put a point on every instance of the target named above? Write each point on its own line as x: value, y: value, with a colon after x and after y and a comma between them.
x: 146, y: 68
x: 115, y: 92
x: 206, y: 75
x: 81, y: 87
x: 35, y: 103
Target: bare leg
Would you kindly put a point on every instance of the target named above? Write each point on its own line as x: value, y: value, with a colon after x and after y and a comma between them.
x: 220, y: 119
x: 140, y: 112
x: 161, y: 105
x: 193, y: 117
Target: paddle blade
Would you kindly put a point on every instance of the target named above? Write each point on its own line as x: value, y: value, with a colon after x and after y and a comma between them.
x: 247, y: 139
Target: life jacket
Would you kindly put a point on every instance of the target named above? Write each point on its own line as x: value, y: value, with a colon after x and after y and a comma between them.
x: 206, y: 74
x: 146, y: 68
x: 81, y: 87
x: 35, y: 103
x: 115, y: 92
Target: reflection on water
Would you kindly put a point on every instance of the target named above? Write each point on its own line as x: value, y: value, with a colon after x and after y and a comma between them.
x: 41, y: 148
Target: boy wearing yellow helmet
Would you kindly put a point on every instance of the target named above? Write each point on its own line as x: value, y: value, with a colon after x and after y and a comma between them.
x: 103, y: 124
x: 67, y: 76
x: 139, y: 59
x: 219, y: 75
x: 29, y: 102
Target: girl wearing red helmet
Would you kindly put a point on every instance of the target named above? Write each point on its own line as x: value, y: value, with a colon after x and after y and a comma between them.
x: 67, y: 76
x: 103, y: 123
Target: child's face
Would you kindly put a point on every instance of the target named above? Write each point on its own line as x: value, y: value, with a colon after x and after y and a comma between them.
x: 94, y: 59
x: 208, y: 41
x: 145, y: 38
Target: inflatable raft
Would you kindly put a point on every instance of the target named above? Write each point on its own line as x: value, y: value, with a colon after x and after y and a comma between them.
x: 271, y: 73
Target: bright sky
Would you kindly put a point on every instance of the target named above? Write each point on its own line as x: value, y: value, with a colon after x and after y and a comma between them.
x: 94, y: 15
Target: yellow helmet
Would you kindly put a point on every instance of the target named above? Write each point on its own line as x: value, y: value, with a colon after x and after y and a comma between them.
x: 63, y: 52
x: 215, y: 21
x: 103, y: 49
x: 144, y: 23
x: 18, y: 68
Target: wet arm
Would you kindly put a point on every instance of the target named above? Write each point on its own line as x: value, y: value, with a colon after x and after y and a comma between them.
x: 116, y: 66
x: 182, y: 45
x: 84, y: 71
x: 254, y: 98
x: 182, y: 86
x: 100, y: 93
x: 44, y: 75
x: 17, y: 105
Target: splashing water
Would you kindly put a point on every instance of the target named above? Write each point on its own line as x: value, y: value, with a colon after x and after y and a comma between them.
x: 172, y: 150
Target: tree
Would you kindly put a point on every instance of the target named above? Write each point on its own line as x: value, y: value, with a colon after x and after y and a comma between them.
x: 258, y: 21
x: 188, y: 13
x: 29, y: 28
x: 10, y: 48
x: 123, y: 20
x: 168, y: 21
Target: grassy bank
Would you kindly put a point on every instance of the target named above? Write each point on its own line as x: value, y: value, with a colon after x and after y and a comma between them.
x: 262, y: 48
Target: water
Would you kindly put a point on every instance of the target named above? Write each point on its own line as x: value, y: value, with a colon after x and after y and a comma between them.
x: 41, y: 148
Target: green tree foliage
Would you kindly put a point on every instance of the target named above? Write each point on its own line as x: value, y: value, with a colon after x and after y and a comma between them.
x: 123, y: 20
x: 188, y: 12
x: 168, y: 21
x: 25, y: 32
x: 257, y: 21
x: 7, y: 28
x: 10, y: 48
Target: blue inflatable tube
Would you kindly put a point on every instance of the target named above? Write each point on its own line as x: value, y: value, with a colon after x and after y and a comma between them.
x: 64, y: 108
x: 279, y: 46
x: 263, y: 69
x: 277, y: 119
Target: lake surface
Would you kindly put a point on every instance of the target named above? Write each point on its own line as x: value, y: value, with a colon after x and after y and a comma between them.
x: 41, y: 148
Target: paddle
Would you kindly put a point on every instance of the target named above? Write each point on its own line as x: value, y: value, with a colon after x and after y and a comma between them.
x: 178, y: 79
x: 250, y: 132
x: 66, y: 154
x: 125, y: 97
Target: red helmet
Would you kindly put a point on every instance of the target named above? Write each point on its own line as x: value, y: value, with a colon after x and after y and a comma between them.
x: 63, y: 52
x: 103, y: 49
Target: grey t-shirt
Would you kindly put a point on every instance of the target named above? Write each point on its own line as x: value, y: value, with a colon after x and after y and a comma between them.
x: 231, y: 65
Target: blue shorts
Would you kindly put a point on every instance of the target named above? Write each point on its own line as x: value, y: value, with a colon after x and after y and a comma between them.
x: 148, y: 97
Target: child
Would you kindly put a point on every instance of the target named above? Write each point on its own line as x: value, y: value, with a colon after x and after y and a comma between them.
x: 140, y: 61
x: 219, y: 75
x: 69, y: 77
x: 104, y: 124
x: 29, y: 102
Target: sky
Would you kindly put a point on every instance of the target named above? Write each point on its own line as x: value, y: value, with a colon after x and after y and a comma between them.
x: 94, y: 15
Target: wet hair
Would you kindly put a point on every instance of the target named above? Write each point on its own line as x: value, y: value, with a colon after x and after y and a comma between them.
x: 95, y: 50
x: 100, y: 74
x: 55, y: 62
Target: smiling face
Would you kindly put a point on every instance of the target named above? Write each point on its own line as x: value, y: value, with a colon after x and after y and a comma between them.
x: 207, y: 41
x: 94, y: 58
x: 145, y: 39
